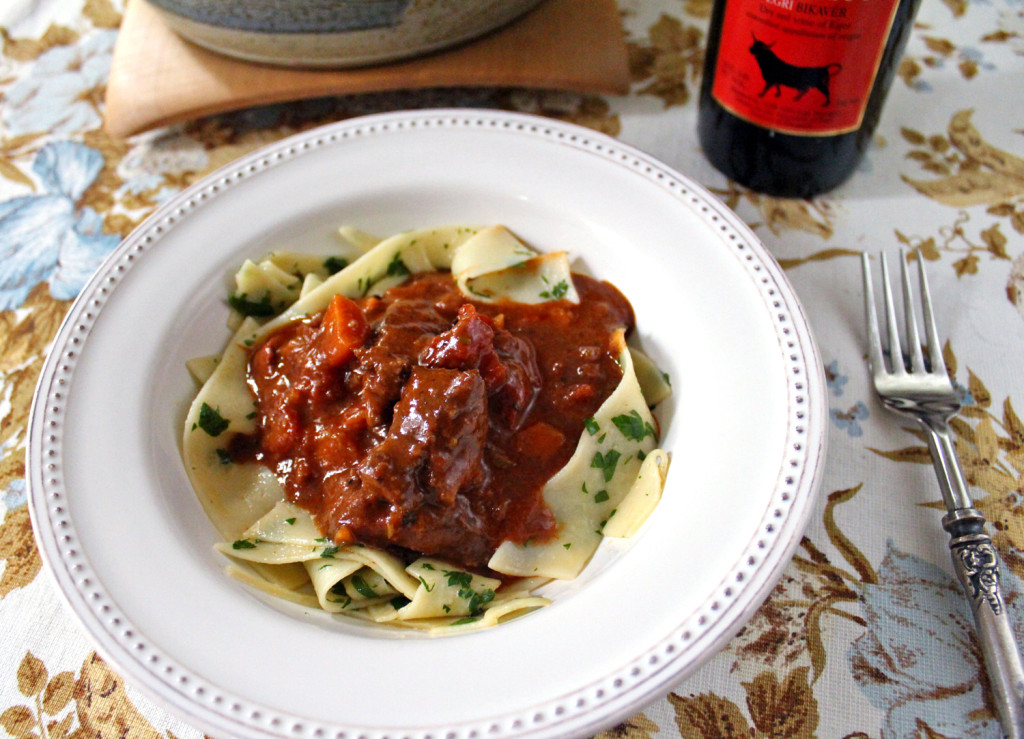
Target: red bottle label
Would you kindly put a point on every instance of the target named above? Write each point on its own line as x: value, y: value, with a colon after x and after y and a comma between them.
x: 803, y: 67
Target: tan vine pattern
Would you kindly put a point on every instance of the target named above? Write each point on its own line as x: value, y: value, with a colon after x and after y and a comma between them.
x: 969, y: 172
x: 990, y: 445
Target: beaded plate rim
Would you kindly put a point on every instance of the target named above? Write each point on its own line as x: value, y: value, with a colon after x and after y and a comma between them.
x: 587, y: 709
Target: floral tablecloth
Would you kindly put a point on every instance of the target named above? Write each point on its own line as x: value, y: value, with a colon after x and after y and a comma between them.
x: 867, y: 634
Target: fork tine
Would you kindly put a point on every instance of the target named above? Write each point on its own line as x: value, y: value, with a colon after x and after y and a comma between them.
x: 892, y: 327
x: 931, y: 332
x: 871, y: 318
x: 913, y: 338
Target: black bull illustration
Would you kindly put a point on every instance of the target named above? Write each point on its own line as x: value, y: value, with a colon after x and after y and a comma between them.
x: 778, y: 73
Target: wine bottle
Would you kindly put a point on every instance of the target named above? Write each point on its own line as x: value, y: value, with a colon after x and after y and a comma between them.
x: 793, y: 89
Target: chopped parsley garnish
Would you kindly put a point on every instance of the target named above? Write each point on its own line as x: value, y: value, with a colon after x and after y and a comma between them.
x: 338, y: 589
x: 224, y: 456
x: 466, y: 620
x: 244, y: 544
x: 478, y: 600
x: 462, y: 579
x: 261, y: 308
x: 290, y: 521
x: 632, y: 426
x: 211, y: 421
x: 362, y: 587
x: 567, y: 545
x: 558, y: 292
x: 592, y: 426
x: 601, y: 496
x: 329, y: 552
x: 429, y: 588
x: 399, y: 601
x: 396, y: 267
x: 606, y: 462
x: 334, y: 265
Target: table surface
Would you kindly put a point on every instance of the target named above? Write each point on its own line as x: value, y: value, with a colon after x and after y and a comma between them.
x: 867, y: 633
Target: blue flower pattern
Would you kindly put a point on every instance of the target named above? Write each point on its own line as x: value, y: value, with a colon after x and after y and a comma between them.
x: 845, y: 419
x: 48, y: 237
x: 59, y: 94
x: 918, y: 659
x: 849, y: 420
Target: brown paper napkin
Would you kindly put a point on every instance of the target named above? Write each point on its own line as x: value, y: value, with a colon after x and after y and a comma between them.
x: 157, y: 78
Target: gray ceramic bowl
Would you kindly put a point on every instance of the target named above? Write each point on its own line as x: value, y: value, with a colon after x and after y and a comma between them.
x: 334, y: 33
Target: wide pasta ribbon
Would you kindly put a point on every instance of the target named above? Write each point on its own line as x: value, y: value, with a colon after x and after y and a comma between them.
x: 608, y: 487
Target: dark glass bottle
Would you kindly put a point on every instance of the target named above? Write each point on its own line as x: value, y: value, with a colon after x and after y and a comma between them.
x: 793, y: 89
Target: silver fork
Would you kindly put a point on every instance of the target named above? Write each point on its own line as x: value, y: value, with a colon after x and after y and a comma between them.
x: 924, y: 392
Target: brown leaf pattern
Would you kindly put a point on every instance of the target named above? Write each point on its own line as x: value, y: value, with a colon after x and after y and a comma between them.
x: 816, y: 217
x: 941, y: 52
x: 970, y: 172
x: 785, y: 708
x: 17, y: 548
x: 24, y: 336
x: 668, y: 63
x: 94, y: 699
x: 637, y: 727
x: 708, y: 716
x: 780, y: 708
x: 103, y: 708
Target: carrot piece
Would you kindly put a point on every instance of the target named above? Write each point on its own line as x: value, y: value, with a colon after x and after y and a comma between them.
x: 342, y: 329
x: 540, y: 440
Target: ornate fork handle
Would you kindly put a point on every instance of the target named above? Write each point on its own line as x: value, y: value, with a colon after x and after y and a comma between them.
x: 977, y: 566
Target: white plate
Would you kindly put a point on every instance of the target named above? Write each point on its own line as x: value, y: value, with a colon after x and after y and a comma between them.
x: 131, y: 550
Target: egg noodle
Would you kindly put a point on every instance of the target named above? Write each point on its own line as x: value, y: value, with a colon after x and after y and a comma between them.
x: 609, y: 486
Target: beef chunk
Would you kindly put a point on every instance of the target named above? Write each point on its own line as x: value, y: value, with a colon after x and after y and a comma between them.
x: 385, y: 363
x: 435, y: 444
x: 507, y: 363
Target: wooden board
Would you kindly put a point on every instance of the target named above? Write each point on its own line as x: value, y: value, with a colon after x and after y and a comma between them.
x: 157, y: 78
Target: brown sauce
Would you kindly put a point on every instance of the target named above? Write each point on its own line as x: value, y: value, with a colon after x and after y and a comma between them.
x: 425, y: 423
